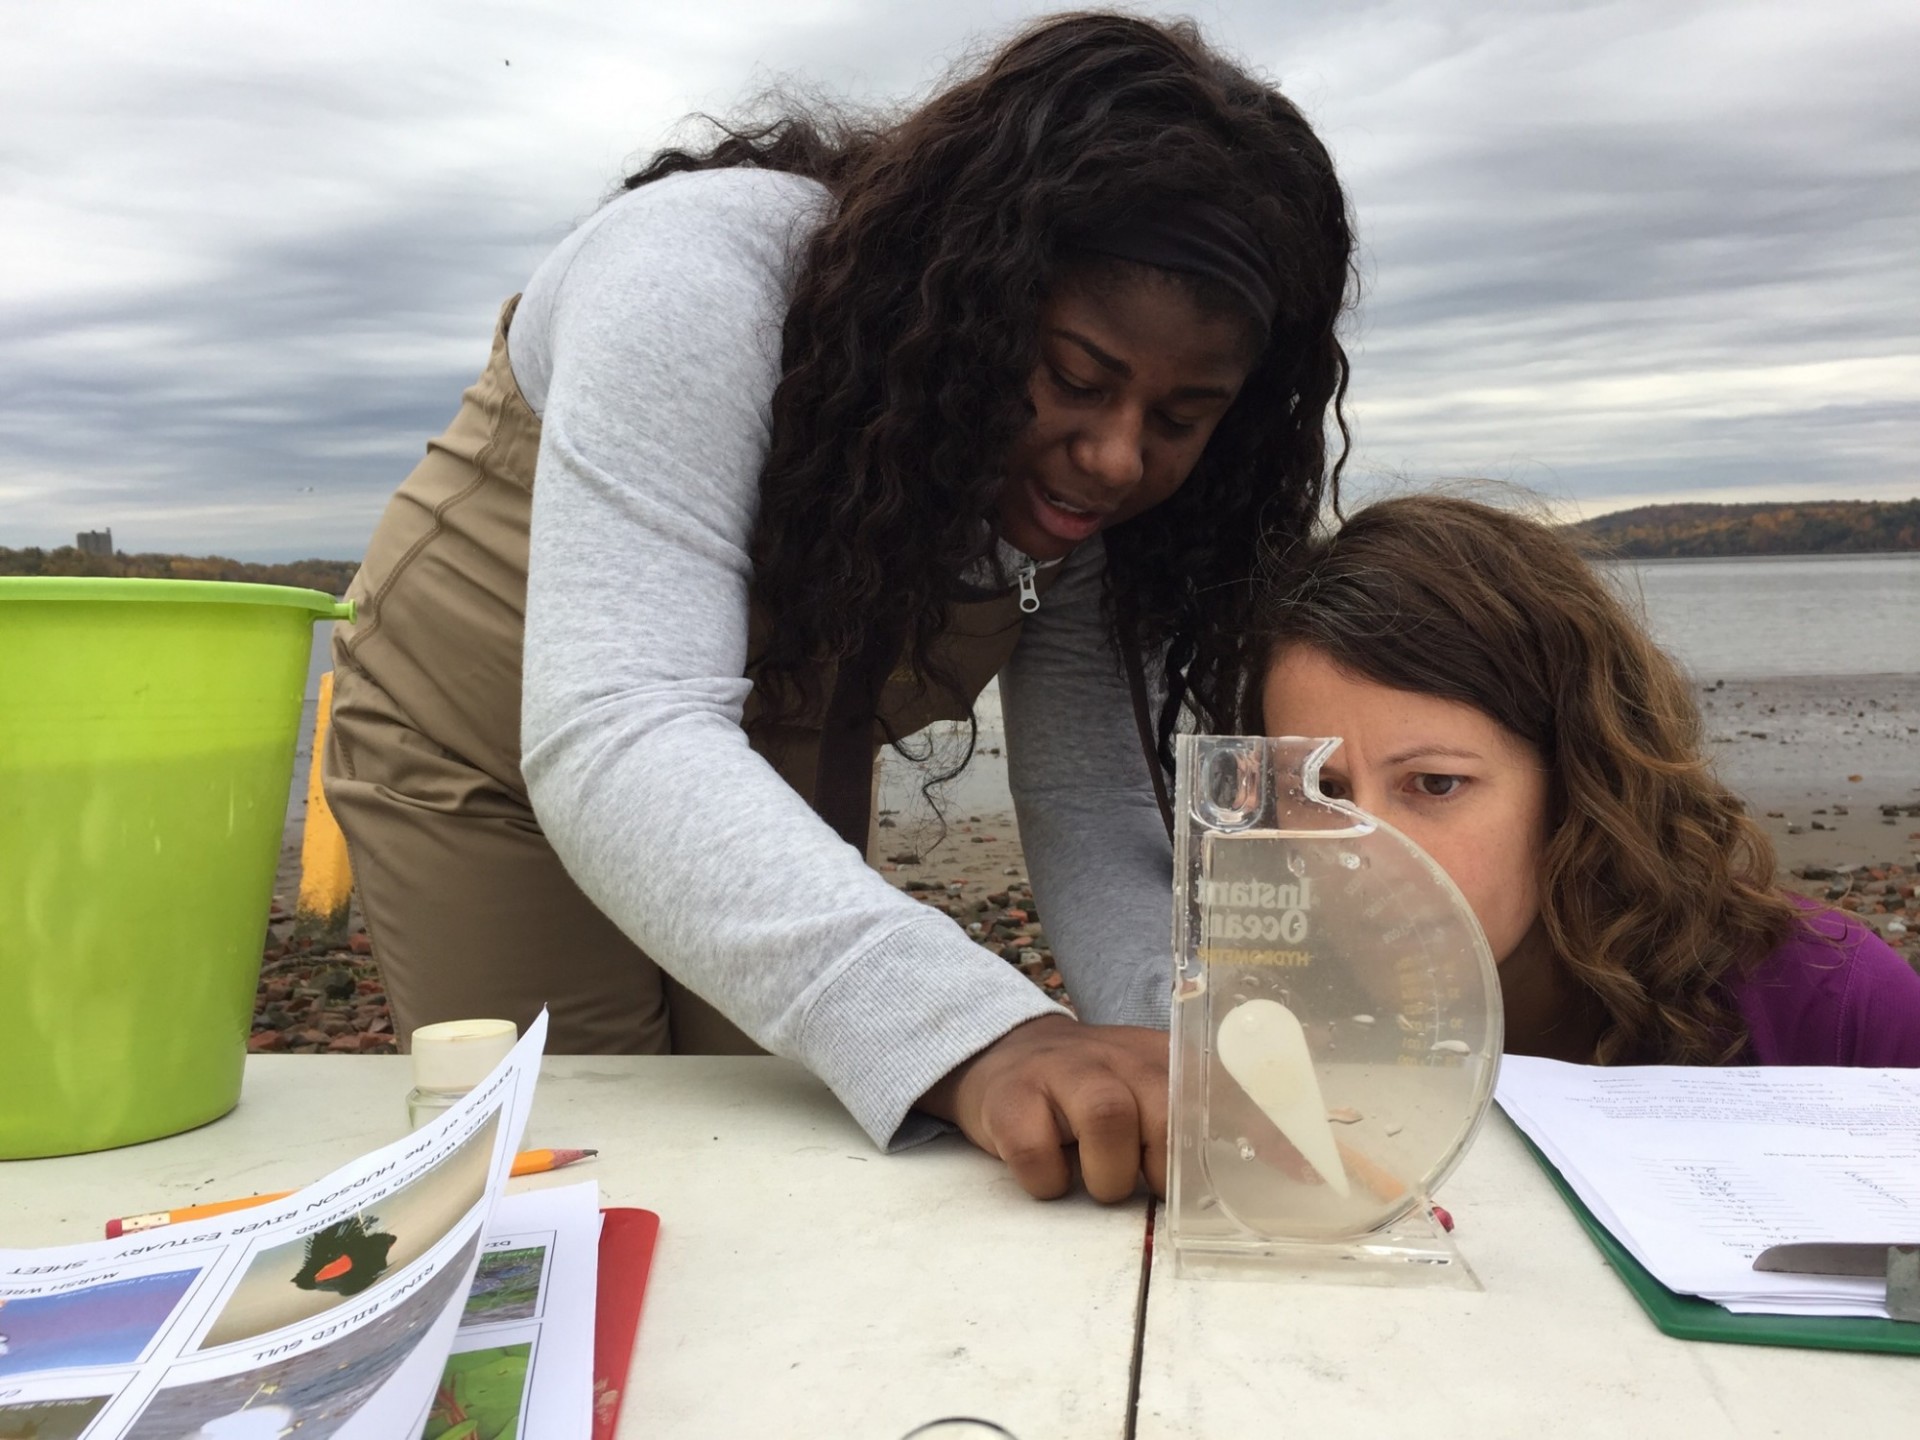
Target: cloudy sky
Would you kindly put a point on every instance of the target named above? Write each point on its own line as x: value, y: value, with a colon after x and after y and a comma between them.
x: 1614, y: 250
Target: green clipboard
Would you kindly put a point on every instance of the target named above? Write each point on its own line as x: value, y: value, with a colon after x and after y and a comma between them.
x: 1691, y: 1318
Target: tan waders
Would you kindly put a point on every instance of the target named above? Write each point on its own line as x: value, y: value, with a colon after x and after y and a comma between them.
x: 470, y: 911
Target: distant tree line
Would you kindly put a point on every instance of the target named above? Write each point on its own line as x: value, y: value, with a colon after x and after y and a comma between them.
x: 1816, y: 527
x: 1650, y: 532
x: 327, y: 576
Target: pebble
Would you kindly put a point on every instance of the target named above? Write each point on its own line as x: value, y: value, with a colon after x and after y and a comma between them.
x: 320, y: 1000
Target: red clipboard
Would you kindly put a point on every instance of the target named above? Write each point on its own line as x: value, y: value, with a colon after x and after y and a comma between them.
x: 627, y: 1238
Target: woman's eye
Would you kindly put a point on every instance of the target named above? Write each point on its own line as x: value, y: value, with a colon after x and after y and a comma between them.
x: 1067, y: 387
x: 1438, y: 787
x: 1333, y: 787
x: 1173, y: 425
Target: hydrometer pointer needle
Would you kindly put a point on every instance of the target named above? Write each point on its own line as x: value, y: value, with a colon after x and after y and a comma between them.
x: 1264, y: 1049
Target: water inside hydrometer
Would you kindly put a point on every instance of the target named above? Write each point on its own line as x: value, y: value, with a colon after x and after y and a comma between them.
x: 1347, y: 1023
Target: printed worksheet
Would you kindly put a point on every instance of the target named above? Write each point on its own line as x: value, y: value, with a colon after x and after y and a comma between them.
x: 329, y: 1313
x: 1697, y: 1170
x: 522, y: 1362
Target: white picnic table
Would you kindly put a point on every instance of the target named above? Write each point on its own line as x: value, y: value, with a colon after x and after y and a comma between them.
x: 807, y: 1286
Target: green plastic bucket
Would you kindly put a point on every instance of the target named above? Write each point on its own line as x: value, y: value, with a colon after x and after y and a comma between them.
x: 147, y: 734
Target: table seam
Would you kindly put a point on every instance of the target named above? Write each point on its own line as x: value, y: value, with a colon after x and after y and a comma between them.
x: 1142, y: 1295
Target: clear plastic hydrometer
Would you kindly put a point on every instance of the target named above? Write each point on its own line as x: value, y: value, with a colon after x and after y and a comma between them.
x: 1336, y: 1026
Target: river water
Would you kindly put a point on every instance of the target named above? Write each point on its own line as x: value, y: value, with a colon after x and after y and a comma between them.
x: 1764, y: 617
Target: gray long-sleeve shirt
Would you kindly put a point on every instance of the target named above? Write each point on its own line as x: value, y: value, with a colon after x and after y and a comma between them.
x: 649, y: 344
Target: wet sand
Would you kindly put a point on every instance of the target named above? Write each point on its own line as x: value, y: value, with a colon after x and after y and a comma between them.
x: 1830, y: 765
x: 972, y: 869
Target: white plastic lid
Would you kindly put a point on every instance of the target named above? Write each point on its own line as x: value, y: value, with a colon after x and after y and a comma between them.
x: 458, y: 1054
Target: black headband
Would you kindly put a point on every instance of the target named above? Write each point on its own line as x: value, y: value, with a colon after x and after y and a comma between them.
x: 1194, y: 238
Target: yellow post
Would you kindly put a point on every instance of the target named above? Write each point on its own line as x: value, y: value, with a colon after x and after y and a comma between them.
x: 326, y: 875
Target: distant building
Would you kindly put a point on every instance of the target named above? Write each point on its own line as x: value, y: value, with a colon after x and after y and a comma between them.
x: 94, y: 542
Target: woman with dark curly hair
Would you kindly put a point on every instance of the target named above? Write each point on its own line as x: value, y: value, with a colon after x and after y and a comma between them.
x: 1500, y: 707
x: 783, y: 454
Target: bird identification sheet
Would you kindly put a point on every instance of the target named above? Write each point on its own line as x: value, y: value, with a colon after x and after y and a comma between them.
x: 329, y: 1313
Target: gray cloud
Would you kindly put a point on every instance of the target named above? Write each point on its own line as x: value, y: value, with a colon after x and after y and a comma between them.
x: 1615, y: 251
x: 1643, y: 252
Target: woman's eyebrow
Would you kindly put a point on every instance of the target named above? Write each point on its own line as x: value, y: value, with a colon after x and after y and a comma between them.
x: 1431, y: 752
x: 1101, y: 357
x: 1125, y: 371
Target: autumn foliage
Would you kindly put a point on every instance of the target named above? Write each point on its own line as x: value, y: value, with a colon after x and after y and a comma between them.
x: 330, y: 577
x: 1828, y: 527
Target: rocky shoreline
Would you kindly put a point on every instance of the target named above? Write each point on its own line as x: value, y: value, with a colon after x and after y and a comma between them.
x: 1885, y: 897
x: 319, y: 998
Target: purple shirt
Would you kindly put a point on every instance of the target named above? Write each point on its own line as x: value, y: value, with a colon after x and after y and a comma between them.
x: 1834, y: 993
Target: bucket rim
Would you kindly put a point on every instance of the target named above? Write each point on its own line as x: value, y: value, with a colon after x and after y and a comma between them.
x: 201, y: 592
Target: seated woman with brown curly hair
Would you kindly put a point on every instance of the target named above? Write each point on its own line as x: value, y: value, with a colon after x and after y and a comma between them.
x: 1502, y: 708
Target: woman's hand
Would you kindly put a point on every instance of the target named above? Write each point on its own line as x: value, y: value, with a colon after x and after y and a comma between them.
x: 1053, y: 1083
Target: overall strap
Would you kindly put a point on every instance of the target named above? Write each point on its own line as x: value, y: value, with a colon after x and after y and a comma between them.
x: 843, y: 769
x: 1143, y: 717
x: 843, y: 773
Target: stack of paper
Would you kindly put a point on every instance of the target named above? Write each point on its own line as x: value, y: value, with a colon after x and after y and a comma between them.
x: 392, y: 1300
x: 1696, y: 1171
